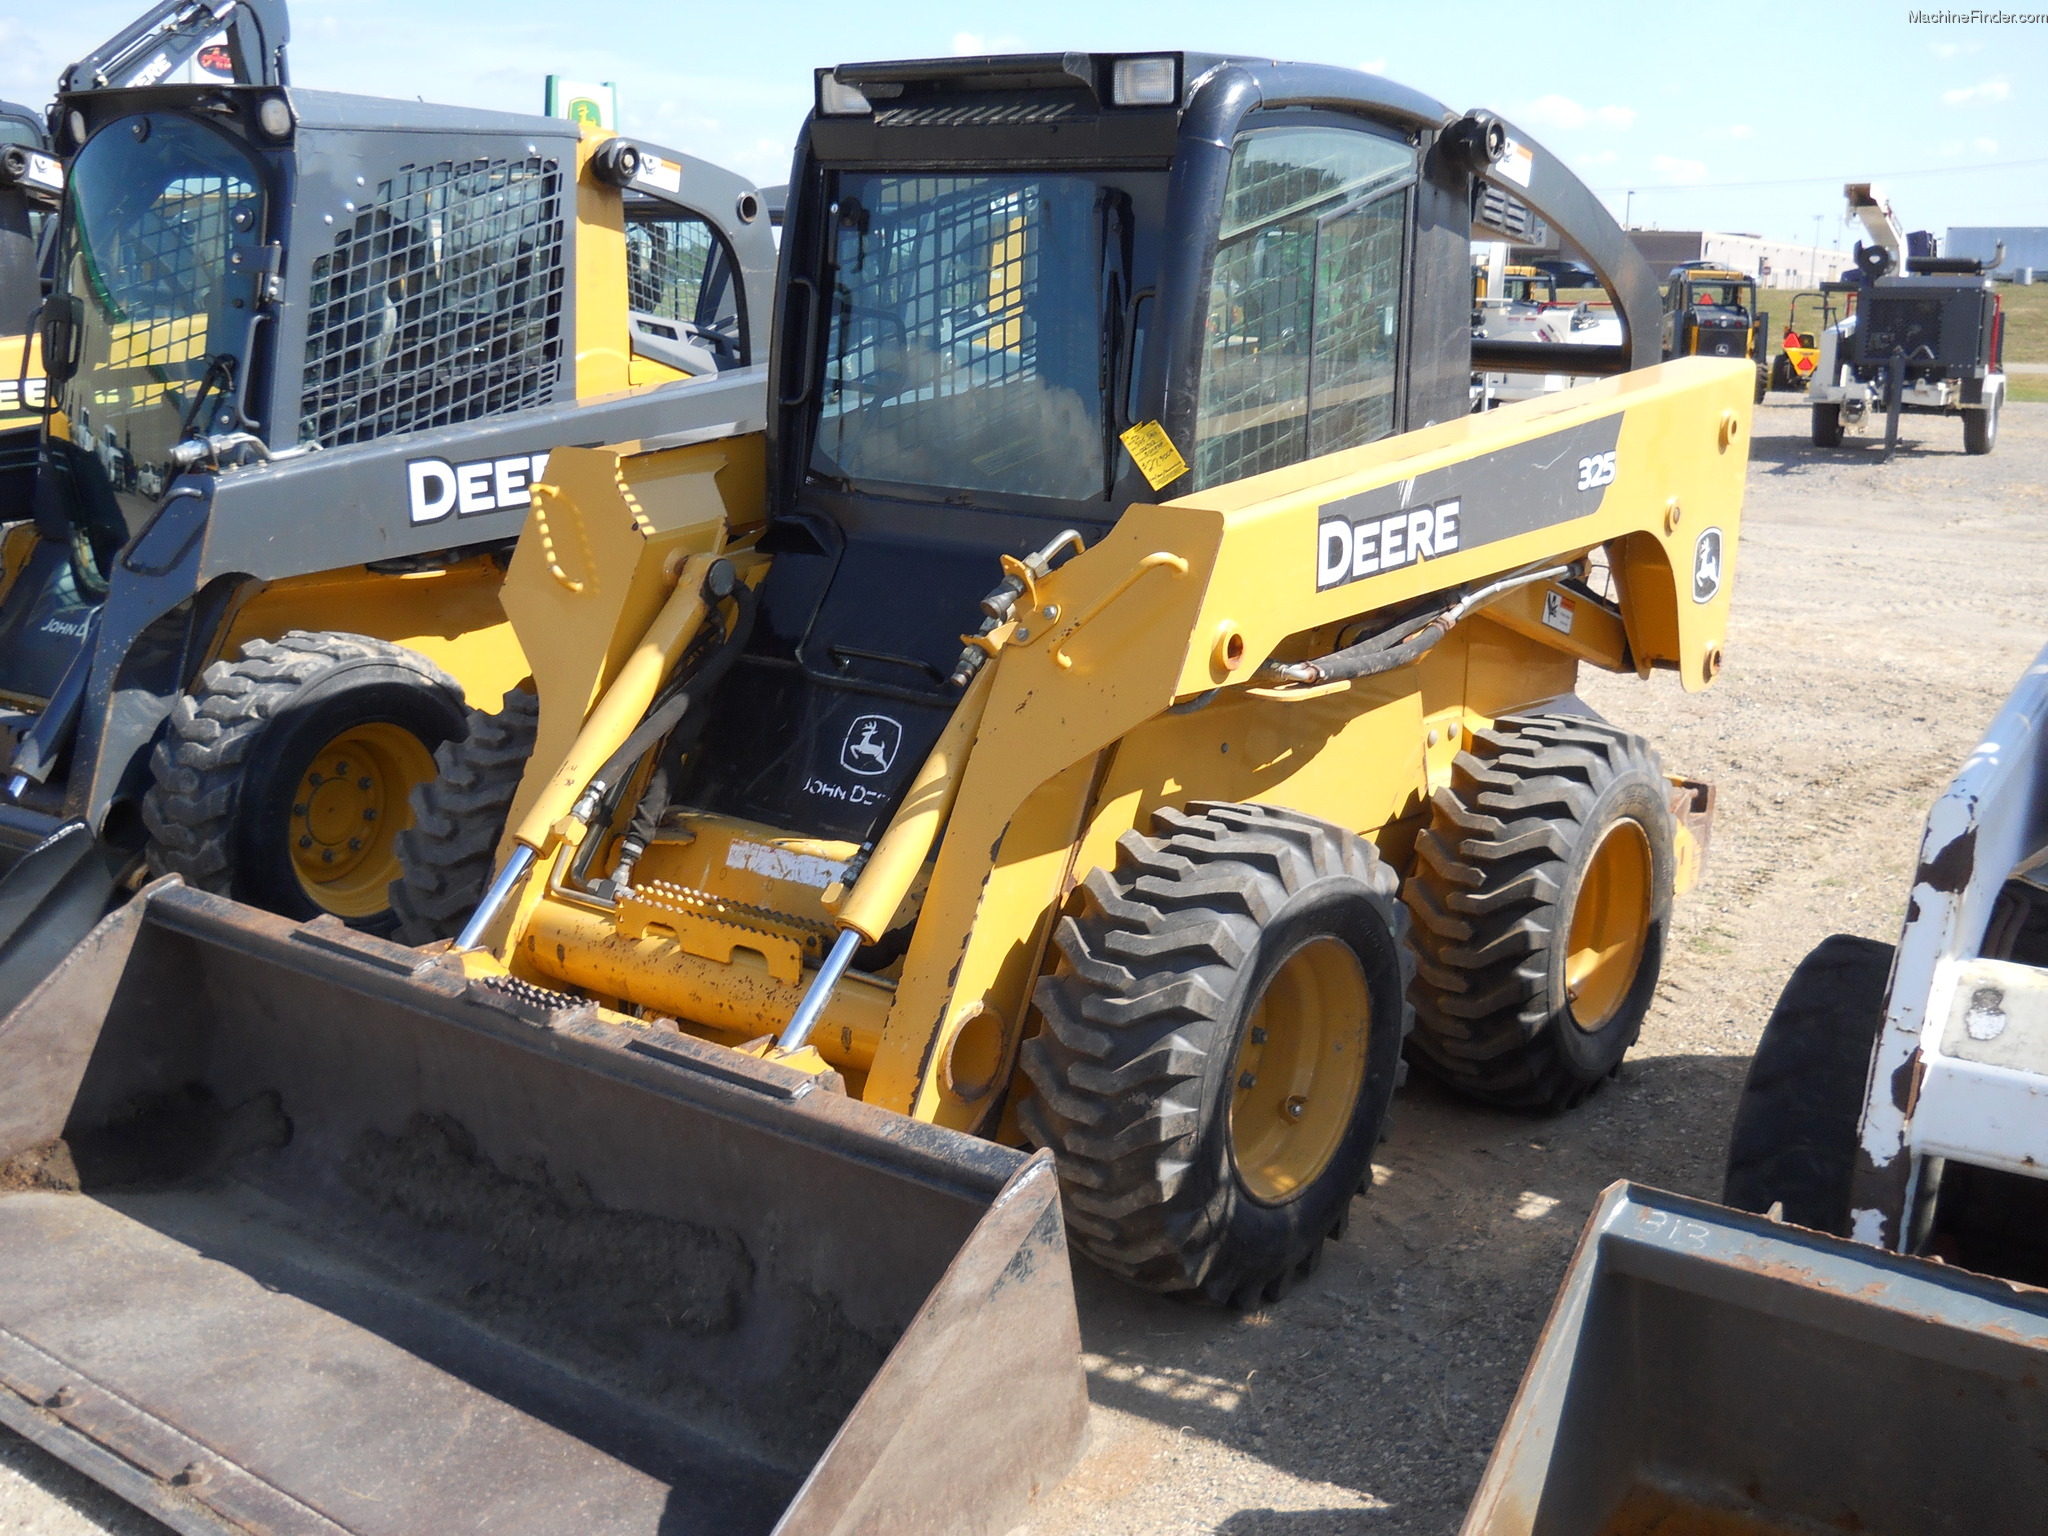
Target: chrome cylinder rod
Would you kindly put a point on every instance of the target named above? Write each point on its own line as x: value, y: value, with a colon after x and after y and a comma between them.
x: 805, y: 1019
x: 495, y: 898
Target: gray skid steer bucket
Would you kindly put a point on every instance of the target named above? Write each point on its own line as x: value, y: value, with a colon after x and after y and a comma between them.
x: 1710, y: 1373
x: 49, y: 900
x: 301, y: 1232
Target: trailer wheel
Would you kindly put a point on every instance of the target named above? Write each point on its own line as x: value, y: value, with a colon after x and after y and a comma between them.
x: 1980, y: 426
x: 1541, y: 891
x: 282, y: 779
x: 1827, y: 426
x: 1220, y: 1043
x: 446, y: 857
x: 1794, y: 1141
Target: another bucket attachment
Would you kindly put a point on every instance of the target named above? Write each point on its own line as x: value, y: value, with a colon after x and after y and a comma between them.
x: 1708, y: 1371
x: 49, y: 899
x: 303, y: 1232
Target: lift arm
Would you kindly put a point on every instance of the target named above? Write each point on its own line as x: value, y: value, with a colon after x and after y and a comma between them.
x: 169, y: 33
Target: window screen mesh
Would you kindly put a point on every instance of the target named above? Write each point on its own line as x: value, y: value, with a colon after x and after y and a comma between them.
x: 441, y: 302
x: 1304, y: 301
x: 171, y: 268
x: 665, y: 261
x: 1358, y: 308
x: 965, y: 339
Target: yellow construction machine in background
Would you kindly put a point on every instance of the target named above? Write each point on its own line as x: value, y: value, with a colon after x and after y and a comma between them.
x: 1122, y: 706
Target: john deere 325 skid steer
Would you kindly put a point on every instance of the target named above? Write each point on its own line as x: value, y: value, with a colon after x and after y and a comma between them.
x: 307, y: 353
x: 1139, y: 698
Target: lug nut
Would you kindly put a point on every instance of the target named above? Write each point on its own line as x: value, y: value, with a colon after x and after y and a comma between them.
x: 299, y: 810
x: 1258, y: 1035
x: 1295, y: 1107
x: 326, y: 855
x: 315, y: 780
x: 363, y: 782
x: 355, y: 845
x: 342, y: 766
x: 305, y: 842
x: 370, y: 815
x: 1249, y: 1080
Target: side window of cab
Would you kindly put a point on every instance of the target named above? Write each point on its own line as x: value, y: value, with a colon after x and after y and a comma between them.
x: 682, y: 292
x: 1305, y: 298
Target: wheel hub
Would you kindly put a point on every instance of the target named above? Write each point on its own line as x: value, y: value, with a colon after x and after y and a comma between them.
x: 1610, y: 926
x: 1300, y: 1070
x: 350, y: 805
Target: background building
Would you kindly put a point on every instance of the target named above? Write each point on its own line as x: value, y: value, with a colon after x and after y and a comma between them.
x: 2025, y: 245
x: 1773, y: 263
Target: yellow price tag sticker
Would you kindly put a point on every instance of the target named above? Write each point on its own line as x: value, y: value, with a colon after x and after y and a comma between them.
x: 1154, y: 454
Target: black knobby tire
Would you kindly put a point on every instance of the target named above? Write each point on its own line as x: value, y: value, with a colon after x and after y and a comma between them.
x: 1763, y: 383
x: 220, y: 809
x: 1827, y: 426
x: 1796, y: 1124
x: 1980, y: 427
x: 1500, y: 873
x: 447, y: 855
x: 1162, y: 967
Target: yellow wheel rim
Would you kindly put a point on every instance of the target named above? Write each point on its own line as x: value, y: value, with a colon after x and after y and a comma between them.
x: 1300, y: 1068
x: 350, y: 806
x: 1610, y: 926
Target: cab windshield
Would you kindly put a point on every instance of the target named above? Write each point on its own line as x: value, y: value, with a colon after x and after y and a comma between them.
x: 969, y: 322
x: 156, y: 204
x: 1721, y: 296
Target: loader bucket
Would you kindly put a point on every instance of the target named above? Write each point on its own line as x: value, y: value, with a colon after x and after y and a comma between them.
x: 302, y: 1232
x: 1710, y: 1373
x: 49, y: 899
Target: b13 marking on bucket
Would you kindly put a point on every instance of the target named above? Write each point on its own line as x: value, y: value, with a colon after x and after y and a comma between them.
x: 1706, y: 566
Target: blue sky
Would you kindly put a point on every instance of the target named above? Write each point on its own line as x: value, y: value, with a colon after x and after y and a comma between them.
x: 1690, y: 106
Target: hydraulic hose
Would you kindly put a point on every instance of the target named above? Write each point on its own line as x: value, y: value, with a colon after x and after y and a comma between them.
x: 667, y: 716
x: 1403, y: 643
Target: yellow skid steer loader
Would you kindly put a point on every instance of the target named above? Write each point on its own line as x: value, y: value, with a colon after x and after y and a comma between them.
x: 1139, y: 698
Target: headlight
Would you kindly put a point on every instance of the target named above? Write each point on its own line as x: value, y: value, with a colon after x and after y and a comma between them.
x: 1143, y: 83
x: 77, y: 126
x: 274, y: 117
x: 836, y: 100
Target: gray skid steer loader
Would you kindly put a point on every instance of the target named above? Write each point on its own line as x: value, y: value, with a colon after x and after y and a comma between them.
x: 308, y: 351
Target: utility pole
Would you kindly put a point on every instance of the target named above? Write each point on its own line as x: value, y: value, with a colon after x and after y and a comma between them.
x: 1814, y: 265
x: 1628, y: 210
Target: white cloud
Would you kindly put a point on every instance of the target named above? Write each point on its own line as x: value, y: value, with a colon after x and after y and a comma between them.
x: 1374, y: 66
x: 1741, y: 131
x: 1555, y: 111
x: 1953, y: 50
x: 1604, y: 157
x: 1684, y: 173
x: 1990, y: 90
x: 1987, y: 146
x: 965, y: 43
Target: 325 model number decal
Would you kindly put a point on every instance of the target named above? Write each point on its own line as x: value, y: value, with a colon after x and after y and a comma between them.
x: 1596, y: 470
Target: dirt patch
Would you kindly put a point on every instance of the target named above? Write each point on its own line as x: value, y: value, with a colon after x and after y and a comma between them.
x: 45, y: 1166
x: 533, y: 1247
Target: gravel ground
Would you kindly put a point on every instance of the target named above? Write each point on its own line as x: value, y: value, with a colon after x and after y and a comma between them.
x: 1881, y: 612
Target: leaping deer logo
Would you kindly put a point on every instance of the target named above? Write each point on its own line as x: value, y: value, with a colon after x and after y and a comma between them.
x: 871, y: 745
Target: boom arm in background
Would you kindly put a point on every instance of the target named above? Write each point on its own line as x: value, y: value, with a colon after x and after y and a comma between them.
x: 167, y: 35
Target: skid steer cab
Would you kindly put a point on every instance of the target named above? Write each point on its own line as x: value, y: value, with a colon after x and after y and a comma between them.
x: 31, y: 183
x: 311, y: 352
x: 1710, y: 311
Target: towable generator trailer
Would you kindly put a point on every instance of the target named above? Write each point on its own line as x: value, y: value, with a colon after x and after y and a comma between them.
x: 211, y: 669
x: 1129, y: 707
